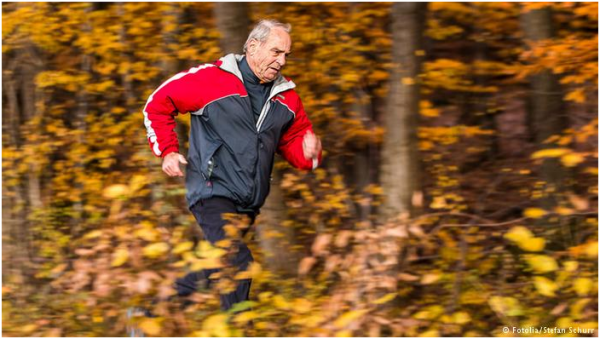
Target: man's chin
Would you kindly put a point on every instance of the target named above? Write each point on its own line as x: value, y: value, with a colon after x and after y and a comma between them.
x: 269, y: 79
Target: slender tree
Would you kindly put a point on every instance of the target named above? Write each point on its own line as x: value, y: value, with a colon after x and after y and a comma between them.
x: 233, y: 22
x: 400, y: 164
x: 14, y: 221
x: 546, y: 108
x: 23, y: 65
x: 83, y: 109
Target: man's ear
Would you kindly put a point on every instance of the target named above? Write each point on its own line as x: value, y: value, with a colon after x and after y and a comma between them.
x: 252, y: 46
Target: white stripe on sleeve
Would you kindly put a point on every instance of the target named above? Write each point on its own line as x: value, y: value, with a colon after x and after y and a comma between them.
x: 150, y: 133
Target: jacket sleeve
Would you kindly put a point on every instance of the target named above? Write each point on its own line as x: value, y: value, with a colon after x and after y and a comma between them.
x: 290, y: 144
x: 176, y: 95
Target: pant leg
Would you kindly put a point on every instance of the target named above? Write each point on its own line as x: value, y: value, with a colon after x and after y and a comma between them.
x: 208, y: 214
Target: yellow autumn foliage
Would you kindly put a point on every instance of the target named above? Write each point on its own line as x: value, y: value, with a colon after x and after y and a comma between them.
x: 348, y: 317
x: 525, y: 239
x: 534, y: 213
x: 545, y: 286
x: 150, y: 326
x: 120, y: 257
x: 156, y: 250
x: 541, y: 263
x: 92, y: 226
x: 115, y: 191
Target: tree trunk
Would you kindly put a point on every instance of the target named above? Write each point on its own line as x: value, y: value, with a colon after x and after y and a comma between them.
x: 233, y: 22
x: 29, y: 71
x: 80, y: 124
x: 21, y: 94
x: 276, y: 240
x: 480, y: 109
x: 14, y: 221
x: 11, y: 125
x: 360, y: 174
x: 128, y: 93
x: 545, y: 104
x: 400, y: 175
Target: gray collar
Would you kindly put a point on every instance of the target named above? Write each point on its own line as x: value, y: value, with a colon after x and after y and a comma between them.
x: 230, y: 64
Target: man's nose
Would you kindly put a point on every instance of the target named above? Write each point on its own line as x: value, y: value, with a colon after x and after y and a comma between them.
x: 281, y: 59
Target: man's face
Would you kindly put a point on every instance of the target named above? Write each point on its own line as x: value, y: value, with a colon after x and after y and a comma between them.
x: 268, y: 58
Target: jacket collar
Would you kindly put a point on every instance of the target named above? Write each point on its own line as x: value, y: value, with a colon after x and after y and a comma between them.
x: 229, y: 63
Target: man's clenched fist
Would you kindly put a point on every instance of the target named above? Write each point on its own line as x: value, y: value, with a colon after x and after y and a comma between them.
x: 311, y: 145
x: 171, y: 162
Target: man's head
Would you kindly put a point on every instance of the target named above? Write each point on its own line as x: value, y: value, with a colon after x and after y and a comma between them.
x: 267, y: 47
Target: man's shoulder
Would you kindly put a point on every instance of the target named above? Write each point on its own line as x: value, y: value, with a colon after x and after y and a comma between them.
x: 290, y: 92
x: 200, y: 69
x: 212, y: 70
x: 290, y: 98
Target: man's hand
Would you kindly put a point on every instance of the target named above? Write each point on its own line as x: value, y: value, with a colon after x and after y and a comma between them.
x: 311, y: 145
x: 171, y: 162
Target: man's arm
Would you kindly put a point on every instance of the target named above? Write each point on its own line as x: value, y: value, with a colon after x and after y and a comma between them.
x: 299, y: 145
x: 176, y: 95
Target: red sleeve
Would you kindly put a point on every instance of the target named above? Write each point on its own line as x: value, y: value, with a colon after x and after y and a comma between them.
x: 290, y: 144
x: 179, y: 94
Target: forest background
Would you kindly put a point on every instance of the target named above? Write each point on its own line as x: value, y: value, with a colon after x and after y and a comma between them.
x: 457, y: 196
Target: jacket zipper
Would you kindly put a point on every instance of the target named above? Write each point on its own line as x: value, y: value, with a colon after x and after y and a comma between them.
x: 259, y: 122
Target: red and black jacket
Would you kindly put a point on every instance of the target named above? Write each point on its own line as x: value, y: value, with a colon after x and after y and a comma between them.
x: 230, y: 155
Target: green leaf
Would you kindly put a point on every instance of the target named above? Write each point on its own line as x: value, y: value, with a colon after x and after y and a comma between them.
x: 242, y: 306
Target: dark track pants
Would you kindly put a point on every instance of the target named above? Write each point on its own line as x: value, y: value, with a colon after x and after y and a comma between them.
x: 208, y: 213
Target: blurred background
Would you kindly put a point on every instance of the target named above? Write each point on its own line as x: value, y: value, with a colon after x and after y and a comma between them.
x: 458, y: 192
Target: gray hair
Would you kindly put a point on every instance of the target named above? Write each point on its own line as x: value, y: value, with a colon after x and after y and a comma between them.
x: 262, y: 30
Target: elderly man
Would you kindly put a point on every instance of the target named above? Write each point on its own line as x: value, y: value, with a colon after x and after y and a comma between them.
x: 243, y: 112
